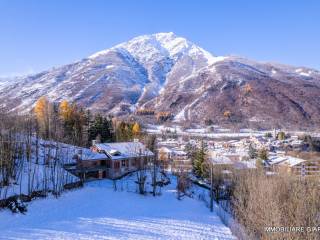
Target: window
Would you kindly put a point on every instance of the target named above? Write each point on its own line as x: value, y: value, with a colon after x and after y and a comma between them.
x: 123, y: 163
x: 108, y: 163
x: 116, y: 165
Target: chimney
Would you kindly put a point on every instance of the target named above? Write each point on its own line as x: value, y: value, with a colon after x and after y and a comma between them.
x: 94, y: 142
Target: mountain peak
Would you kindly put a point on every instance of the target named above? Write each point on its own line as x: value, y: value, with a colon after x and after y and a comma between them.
x: 153, y: 47
x: 140, y: 42
x: 164, y: 43
x: 160, y: 36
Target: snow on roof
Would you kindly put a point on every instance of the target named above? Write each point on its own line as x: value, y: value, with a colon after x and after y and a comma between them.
x: 124, y: 150
x: 276, y: 160
x: 175, y: 151
x: 292, y: 161
x: 165, y: 149
x: 296, y: 142
x: 221, y: 160
x: 287, y: 160
x: 169, y: 142
x: 179, y: 152
x: 86, y: 154
x: 245, y: 164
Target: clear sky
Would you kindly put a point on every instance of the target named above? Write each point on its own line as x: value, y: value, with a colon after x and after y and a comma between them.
x: 36, y: 35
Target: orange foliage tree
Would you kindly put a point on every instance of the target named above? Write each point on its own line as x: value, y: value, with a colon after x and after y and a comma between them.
x: 227, y: 114
x: 136, y: 129
x: 247, y: 89
x: 65, y: 110
x: 43, y: 109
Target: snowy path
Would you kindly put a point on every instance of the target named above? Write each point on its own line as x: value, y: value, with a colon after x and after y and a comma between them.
x: 98, y: 212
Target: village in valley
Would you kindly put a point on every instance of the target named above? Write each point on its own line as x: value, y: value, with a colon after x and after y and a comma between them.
x: 274, y: 151
x: 60, y: 147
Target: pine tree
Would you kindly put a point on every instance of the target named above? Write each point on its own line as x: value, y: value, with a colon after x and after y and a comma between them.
x: 101, y: 126
x: 252, y: 152
x: 190, y: 150
x: 263, y: 154
x: 199, y: 161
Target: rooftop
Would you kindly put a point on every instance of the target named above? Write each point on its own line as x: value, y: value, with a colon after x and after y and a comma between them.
x: 123, y: 150
x: 87, y: 154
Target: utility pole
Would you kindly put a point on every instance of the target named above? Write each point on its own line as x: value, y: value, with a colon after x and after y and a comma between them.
x: 154, y: 174
x: 211, y: 187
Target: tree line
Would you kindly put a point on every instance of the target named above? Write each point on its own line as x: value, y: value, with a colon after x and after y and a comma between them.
x: 69, y: 123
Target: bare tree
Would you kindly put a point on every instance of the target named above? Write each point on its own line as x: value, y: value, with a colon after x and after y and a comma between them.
x: 261, y: 201
x: 183, y: 184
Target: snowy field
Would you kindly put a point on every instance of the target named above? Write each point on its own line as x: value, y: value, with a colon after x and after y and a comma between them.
x: 99, y: 212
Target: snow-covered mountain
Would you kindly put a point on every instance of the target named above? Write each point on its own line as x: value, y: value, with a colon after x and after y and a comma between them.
x: 159, y: 55
x: 169, y: 73
x: 130, y: 73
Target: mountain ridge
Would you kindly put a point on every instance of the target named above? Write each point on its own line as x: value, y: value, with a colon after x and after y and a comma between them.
x: 172, y: 74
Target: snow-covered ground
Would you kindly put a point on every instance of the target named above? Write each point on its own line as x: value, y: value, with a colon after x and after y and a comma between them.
x: 98, y: 212
x: 46, y: 173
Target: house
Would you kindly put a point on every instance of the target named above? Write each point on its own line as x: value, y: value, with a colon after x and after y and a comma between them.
x: 303, y: 167
x: 172, y: 155
x: 165, y: 157
x: 296, y: 166
x: 181, y: 161
x: 110, y: 160
x: 174, y: 159
x: 221, y: 160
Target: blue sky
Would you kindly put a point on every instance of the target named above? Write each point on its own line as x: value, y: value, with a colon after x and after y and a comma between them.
x: 37, y: 35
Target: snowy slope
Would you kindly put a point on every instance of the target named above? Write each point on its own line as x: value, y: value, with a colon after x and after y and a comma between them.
x: 98, y: 212
x: 44, y: 173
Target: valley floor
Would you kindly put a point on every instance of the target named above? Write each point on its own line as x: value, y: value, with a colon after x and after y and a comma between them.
x: 98, y: 212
